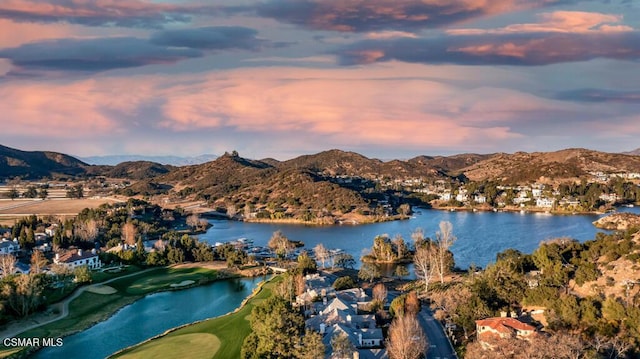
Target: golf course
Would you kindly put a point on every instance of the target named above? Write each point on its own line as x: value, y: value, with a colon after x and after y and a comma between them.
x: 220, y: 337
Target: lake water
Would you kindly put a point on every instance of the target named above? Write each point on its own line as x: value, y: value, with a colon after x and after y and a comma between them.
x: 153, y: 315
x: 481, y: 235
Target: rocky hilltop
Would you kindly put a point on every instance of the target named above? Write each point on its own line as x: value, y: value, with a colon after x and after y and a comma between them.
x: 618, y: 221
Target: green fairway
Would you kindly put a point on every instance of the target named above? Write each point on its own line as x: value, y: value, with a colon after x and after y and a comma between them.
x: 90, y: 308
x: 230, y: 330
x: 201, y: 346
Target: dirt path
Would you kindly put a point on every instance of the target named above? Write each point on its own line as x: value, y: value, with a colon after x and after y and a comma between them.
x: 23, y: 325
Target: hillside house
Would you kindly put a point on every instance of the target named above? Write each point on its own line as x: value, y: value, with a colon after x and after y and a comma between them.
x: 76, y: 258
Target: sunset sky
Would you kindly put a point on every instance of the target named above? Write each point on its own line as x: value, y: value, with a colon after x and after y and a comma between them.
x: 281, y: 78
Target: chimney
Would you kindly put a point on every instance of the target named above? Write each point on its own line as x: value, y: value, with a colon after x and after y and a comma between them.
x: 79, y: 252
x: 93, y: 251
x: 503, y: 314
x: 360, y: 339
x: 322, y: 328
x: 513, y: 314
x: 349, y: 318
x: 57, y: 256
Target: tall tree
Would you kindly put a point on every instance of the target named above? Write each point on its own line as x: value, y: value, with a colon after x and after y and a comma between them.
x: 406, y: 338
x: 129, y: 233
x: 7, y: 264
x: 312, y: 346
x: 87, y: 230
x: 322, y: 254
x: 278, y: 328
x: 444, y: 240
x: 280, y: 244
x: 38, y: 261
x: 425, y: 263
x: 380, y: 293
x: 342, y: 346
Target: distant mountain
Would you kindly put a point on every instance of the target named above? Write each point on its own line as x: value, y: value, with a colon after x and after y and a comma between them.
x: 165, y: 160
x: 635, y: 152
x: 136, y: 170
x: 37, y: 164
x: 522, y: 167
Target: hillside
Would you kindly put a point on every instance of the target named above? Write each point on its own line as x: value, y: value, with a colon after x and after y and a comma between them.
x: 164, y: 160
x: 37, y: 164
x: 635, y: 152
x: 137, y: 170
x: 565, y: 164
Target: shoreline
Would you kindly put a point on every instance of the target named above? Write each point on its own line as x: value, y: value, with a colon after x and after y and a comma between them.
x: 27, y: 351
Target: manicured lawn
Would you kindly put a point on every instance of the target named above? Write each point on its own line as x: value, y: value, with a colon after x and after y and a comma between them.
x: 201, y: 346
x: 230, y: 329
x: 90, y: 308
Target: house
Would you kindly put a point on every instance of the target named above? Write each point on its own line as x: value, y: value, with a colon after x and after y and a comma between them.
x: 502, y: 327
x: 545, y: 202
x: 9, y: 247
x: 76, y: 258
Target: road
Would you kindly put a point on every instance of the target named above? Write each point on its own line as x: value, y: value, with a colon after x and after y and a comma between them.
x: 439, y: 345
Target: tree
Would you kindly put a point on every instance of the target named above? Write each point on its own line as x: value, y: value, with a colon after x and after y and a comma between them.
x: 424, y: 261
x: 406, y: 338
x: 193, y: 221
x: 401, y: 271
x: 444, y: 240
x: 87, y: 230
x: 369, y: 272
x: 344, y: 283
x: 7, y: 264
x: 306, y: 264
x: 24, y: 293
x: 13, y: 194
x: 417, y: 236
x: 76, y: 191
x: 38, y: 261
x: 43, y: 193
x: 280, y: 244
x: 380, y: 293
x: 277, y: 327
x: 322, y: 254
x: 129, y: 233
x: 82, y: 274
x: 412, y: 304
x: 345, y: 260
x: 31, y: 192
x: 342, y: 347
x: 312, y: 346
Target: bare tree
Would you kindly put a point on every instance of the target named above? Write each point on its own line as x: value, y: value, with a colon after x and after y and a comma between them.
x: 129, y: 233
x: 87, y: 230
x: 7, y: 264
x: 417, y: 236
x: 406, y: 338
x: 425, y: 262
x: 444, y: 240
x: 380, y: 293
x: 412, y: 304
x: 38, y: 261
x: 193, y: 221
x: 322, y: 254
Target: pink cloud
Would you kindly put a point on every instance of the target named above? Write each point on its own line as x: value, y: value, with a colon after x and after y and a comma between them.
x: 558, y: 21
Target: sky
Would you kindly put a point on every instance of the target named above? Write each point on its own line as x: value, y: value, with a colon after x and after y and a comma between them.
x: 282, y: 78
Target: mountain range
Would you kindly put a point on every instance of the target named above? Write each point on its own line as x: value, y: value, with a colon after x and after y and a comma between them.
x: 165, y: 160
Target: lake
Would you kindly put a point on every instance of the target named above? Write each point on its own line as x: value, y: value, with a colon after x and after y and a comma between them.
x: 481, y: 235
x: 153, y: 315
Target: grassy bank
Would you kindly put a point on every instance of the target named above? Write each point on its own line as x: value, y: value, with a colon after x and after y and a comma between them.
x: 90, y: 308
x: 221, y: 337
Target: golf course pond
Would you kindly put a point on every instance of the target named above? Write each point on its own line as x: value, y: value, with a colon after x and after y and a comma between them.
x: 153, y: 315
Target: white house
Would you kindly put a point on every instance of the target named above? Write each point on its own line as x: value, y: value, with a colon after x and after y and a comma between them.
x: 545, y: 202
x: 76, y: 258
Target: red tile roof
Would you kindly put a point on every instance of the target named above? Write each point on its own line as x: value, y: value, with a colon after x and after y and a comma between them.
x: 72, y: 256
x: 505, y: 325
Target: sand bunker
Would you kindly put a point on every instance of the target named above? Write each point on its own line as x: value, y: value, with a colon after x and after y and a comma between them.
x: 182, y: 284
x: 102, y: 289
